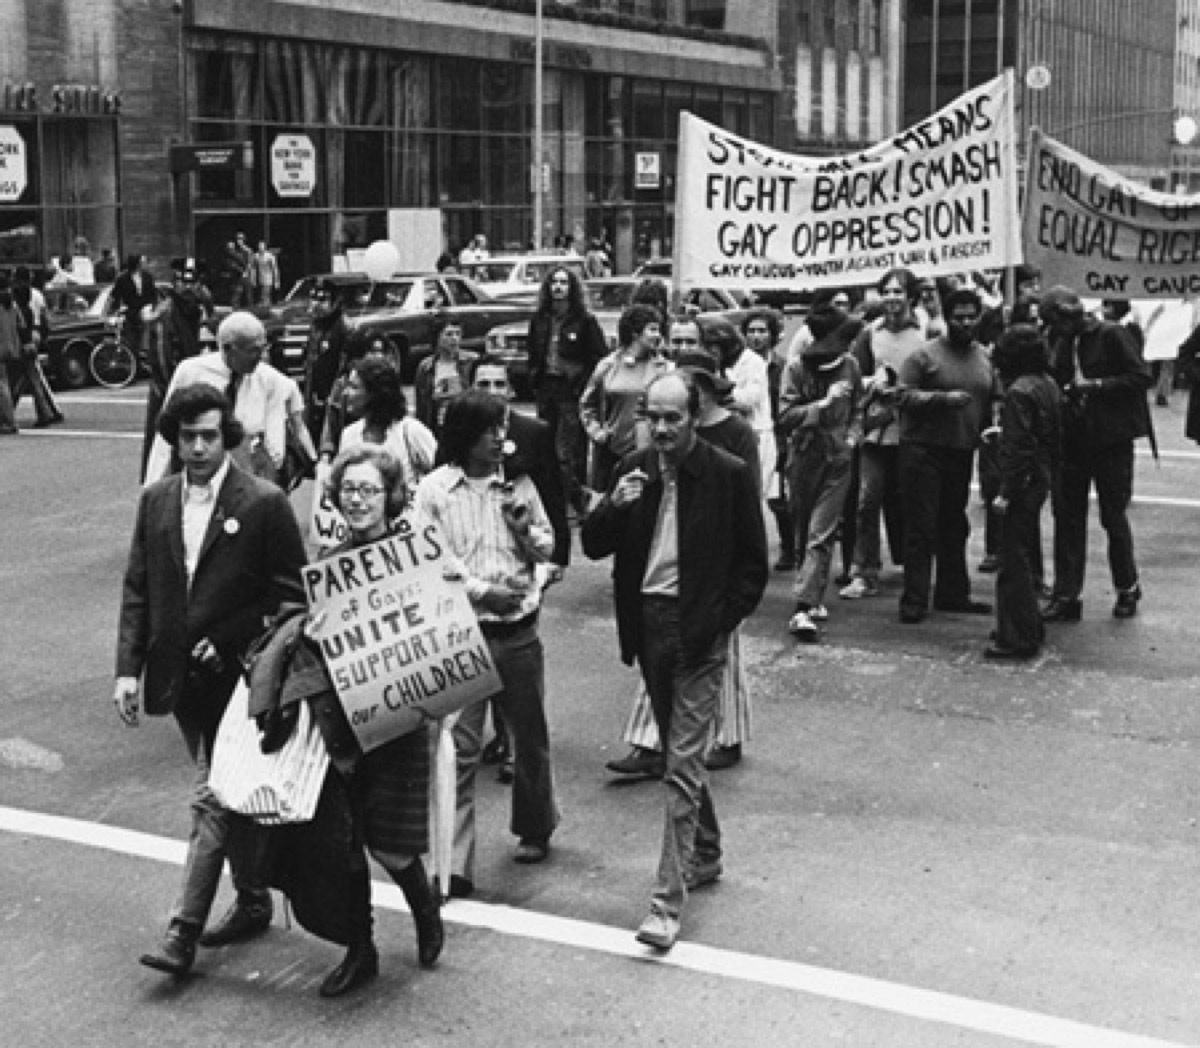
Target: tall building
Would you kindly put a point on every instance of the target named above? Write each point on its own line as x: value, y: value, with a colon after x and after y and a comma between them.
x: 1095, y: 74
x: 318, y: 127
x: 1186, y: 154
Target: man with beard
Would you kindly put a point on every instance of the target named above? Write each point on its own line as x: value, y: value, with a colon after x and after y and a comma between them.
x: 1103, y: 379
x: 565, y: 343
x: 684, y: 521
x: 946, y: 394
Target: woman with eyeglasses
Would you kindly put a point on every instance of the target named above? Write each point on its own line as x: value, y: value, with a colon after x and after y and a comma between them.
x: 376, y: 801
x: 610, y: 405
x: 375, y: 397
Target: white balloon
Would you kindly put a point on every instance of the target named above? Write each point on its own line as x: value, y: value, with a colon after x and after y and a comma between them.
x: 381, y: 260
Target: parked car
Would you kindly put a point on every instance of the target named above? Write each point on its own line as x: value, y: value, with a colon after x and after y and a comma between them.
x: 403, y: 310
x: 608, y: 298
x: 518, y: 276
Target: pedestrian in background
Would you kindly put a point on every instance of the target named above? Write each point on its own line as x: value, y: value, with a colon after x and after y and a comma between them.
x: 442, y: 375
x: 611, y: 403
x: 565, y: 344
x: 1028, y: 451
x: 1103, y: 378
x: 264, y: 274
x: 34, y: 330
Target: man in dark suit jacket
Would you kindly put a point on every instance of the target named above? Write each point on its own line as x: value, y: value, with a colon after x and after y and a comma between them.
x: 684, y: 521
x: 214, y: 552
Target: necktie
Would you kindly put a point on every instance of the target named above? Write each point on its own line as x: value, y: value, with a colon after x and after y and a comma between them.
x: 231, y: 390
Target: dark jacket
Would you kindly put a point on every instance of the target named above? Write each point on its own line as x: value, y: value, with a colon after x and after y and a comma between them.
x: 722, y: 546
x: 534, y: 456
x: 249, y: 564
x: 1030, y: 437
x: 1188, y: 362
x: 581, y: 345
x: 1114, y: 413
x: 426, y: 405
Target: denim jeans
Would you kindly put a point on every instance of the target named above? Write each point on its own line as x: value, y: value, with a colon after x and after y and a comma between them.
x: 559, y: 407
x: 520, y: 662
x: 817, y: 487
x: 878, y: 495
x: 685, y: 699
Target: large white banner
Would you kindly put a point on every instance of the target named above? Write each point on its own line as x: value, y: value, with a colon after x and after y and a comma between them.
x: 1092, y: 229
x: 938, y: 198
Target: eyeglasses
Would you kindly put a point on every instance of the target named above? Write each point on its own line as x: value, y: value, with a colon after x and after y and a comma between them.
x: 680, y: 340
x: 366, y: 492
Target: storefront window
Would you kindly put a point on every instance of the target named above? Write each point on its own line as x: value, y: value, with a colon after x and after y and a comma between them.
x: 506, y: 170
x: 458, y: 94
x: 20, y: 237
x: 364, y: 159
x: 412, y: 165
x: 506, y: 96
x: 647, y: 109
x: 358, y: 88
x: 225, y: 80
x: 295, y: 77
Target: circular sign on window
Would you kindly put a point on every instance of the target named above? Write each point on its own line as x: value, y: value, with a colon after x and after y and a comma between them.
x: 14, y: 173
x: 293, y: 166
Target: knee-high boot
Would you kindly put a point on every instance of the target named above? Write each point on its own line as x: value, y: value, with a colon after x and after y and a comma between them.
x: 426, y: 911
x: 361, y: 963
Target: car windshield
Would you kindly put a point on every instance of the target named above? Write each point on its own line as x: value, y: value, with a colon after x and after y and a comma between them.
x: 610, y: 296
x: 390, y: 294
x: 489, y: 272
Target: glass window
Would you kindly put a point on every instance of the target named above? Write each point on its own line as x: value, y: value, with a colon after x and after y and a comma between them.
x: 458, y: 169
x: 364, y: 156
x: 507, y: 96
x: 412, y: 170
x: 358, y: 88
x: 708, y: 104
x: 733, y: 111
x: 225, y: 81
x: 81, y: 161
x: 461, y: 293
x: 412, y: 100
x: 458, y: 94
x: 234, y: 188
x: 676, y: 98
x: 647, y: 109
x: 295, y: 78
x: 506, y: 170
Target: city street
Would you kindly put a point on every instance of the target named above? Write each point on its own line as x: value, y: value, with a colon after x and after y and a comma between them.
x: 923, y: 850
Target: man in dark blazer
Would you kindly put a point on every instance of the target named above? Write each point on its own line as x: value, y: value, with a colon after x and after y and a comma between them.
x: 684, y: 521
x: 214, y: 552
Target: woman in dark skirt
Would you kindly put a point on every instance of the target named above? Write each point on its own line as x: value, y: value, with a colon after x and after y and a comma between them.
x: 386, y: 789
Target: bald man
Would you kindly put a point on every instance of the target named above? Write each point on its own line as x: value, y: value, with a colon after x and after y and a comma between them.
x: 266, y: 402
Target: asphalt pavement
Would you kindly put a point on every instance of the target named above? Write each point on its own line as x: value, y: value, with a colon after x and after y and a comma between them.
x: 923, y: 849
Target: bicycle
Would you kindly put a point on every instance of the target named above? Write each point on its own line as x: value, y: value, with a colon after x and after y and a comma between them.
x: 112, y: 363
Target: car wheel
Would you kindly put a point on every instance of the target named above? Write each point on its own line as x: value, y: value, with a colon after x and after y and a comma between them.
x: 73, y: 369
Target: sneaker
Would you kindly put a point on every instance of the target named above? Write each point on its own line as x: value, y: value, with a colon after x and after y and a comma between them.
x: 819, y: 614
x: 802, y: 627
x: 701, y: 872
x: 859, y: 588
x: 659, y: 930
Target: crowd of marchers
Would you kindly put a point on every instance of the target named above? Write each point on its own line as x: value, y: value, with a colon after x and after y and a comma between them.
x: 863, y: 432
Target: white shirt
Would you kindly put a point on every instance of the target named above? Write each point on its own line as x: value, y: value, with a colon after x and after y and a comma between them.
x: 199, y: 501
x: 266, y: 400
x: 751, y: 391
x: 480, y: 539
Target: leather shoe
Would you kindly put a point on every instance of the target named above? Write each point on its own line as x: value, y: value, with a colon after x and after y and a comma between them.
x: 911, y: 616
x: 1062, y: 609
x: 965, y: 607
x: 639, y: 762
x: 176, y: 953
x: 532, y: 850
x: 701, y: 872
x: 358, y: 967
x: 721, y: 757
x: 1000, y: 651
x: 461, y: 887
x: 659, y: 930
x: 496, y: 751
x: 1127, y: 603
x: 242, y: 922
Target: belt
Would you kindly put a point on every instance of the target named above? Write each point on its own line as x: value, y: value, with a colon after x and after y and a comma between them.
x: 498, y: 630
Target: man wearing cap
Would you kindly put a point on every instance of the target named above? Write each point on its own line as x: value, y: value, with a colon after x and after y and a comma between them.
x: 683, y: 520
x: 1103, y: 379
x: 267, y: 403
x: 325, y: 352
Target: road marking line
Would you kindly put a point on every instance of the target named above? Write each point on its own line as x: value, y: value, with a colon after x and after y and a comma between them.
x: 89, y: 434
x: 103, y: 401
x: 896, y: 998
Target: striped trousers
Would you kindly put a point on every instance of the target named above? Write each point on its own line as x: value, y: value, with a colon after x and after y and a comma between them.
x: 732, y: 725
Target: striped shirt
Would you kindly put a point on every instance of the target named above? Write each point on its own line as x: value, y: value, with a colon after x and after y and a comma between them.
x: 487, y: 551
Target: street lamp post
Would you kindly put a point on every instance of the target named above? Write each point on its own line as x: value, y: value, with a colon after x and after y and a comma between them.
x: 538, y: 130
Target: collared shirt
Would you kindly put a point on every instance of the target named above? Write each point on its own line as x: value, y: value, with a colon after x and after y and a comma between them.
x: 199, y: 502
x: 487, y: 551
x: 751, y: 391
x: 266, y: 399
x: 662, y: 564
